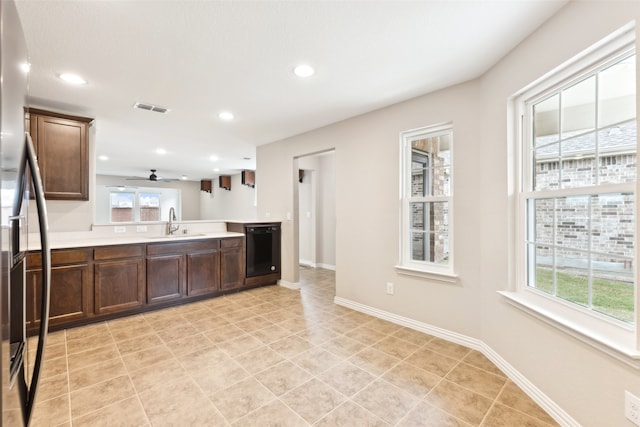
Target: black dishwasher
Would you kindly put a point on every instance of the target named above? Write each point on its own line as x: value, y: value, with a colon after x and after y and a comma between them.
x: 263, y: 249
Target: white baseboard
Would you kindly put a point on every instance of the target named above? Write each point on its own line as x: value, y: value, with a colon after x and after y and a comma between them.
x: 311, y: 264
x: 289, y: 285
x: 555, y: 411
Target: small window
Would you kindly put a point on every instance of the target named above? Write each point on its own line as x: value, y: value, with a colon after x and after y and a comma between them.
x: 427, y: 199
x: 122, y: 207
x: 149, y: 207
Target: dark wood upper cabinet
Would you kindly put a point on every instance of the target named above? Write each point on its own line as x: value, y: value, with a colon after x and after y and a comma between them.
x: 225, y: 182
x: 249, y: 178
x: 62, y: 146
x: 205, y: 185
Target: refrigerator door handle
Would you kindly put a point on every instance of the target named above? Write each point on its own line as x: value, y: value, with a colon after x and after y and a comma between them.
x: 46, y: 269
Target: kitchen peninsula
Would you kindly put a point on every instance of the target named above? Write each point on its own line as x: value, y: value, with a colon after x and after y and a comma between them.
x: 120, y: 270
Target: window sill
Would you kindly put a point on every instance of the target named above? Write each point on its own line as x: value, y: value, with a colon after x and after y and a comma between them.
x: 444, y: 277
x: 621, y: 345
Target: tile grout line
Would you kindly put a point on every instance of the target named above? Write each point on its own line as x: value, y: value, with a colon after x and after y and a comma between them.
x: 128, y: 373
x: 66, y: 360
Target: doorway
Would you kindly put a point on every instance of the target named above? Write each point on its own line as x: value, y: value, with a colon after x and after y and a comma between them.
x: 316, y: 210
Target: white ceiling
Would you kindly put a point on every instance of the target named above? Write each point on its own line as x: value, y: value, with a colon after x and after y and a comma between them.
x: 199, y: 58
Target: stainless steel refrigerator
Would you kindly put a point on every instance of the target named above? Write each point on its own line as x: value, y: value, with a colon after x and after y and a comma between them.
x: 21, y: 357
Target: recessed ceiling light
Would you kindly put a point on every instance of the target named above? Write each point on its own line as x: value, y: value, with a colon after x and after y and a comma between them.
x: 25, y: 67
x: 216, y: 169
x: 184, y: 177
x: 226, y: 116
x: 161, y: 151
x: 74, y: 79
x: 304, y: 70
x: 213, y: 158
x: 103, y: 157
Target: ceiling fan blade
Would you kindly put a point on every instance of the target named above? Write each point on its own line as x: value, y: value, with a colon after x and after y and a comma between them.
x: 151, y: 178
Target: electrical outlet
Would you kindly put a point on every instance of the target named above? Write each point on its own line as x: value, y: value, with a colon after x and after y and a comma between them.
x: 632, y: 407
x: 389, y: 288
x: 120, y: 229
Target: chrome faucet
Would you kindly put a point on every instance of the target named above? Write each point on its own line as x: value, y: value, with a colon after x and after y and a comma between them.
x: 172, y: 217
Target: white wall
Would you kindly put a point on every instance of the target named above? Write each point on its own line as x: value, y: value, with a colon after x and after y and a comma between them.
x: 238, y: 204
x: 585, y: 382
x: 326, y: 211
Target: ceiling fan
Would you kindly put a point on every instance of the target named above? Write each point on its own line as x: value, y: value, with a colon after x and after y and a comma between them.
x: 153, y: 178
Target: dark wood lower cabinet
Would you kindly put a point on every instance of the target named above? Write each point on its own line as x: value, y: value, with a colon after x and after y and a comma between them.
x: 91, y: 284
x: 232, y: 260
x: 118, y: 278
x: 119, y: 285
x: 70, y: 298
x: 69, y: 295
x: 203, y: 272
x: 165, y: 278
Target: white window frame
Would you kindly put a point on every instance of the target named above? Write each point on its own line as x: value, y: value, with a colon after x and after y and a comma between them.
x: 618, y: 339
x: 407, y: 266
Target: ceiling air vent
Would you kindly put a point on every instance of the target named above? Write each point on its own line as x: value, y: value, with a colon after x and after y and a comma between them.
x: 151, y: 107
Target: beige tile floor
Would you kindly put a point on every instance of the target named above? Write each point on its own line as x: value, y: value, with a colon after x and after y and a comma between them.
x: 271, y: 357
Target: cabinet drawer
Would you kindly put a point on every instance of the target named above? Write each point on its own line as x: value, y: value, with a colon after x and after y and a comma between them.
x: 182, y: 247
x: 58, y: 257
x: 231, y: 242
x: 116, y: 252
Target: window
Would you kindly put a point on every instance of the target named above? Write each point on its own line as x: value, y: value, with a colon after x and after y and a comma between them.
x: 149, y: 206
x: 122, y: 207
x: 134, y: 206
x: 577, y: 206
x: 427, y: 201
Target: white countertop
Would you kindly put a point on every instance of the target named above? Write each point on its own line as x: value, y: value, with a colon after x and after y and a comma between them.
x: 129, y: 235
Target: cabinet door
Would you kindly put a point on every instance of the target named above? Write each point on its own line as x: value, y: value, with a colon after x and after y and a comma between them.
x: 119, y: 285
x: 63, y: 157
x: 70, y: 295
x: 232, y: 267
x: 203, y: 272
x: 165, y: 278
